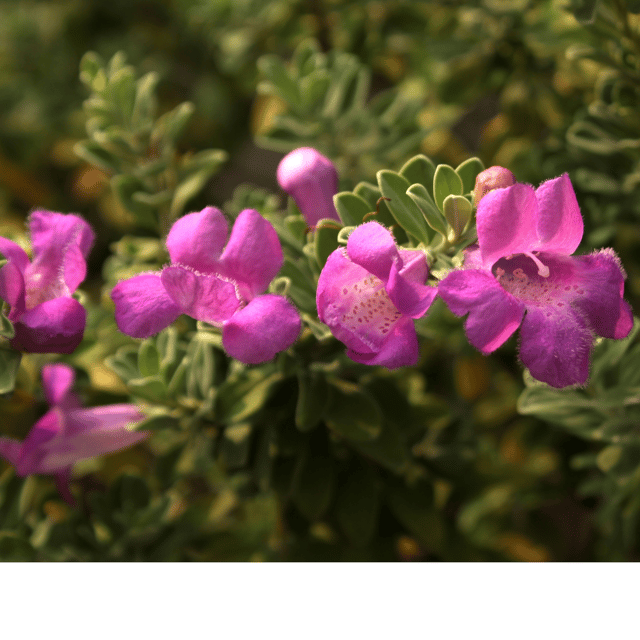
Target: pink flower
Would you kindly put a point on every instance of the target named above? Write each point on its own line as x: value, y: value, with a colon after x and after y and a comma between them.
x: 217, y: 284
x: 46, y: 318
x: 311, y: 180
x: 67, y: 433
x: 523, y: 275
x: 368, y: 294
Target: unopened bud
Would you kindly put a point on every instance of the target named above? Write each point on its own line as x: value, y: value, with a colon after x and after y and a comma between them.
x: 490, y: 179
x: 311, y: 180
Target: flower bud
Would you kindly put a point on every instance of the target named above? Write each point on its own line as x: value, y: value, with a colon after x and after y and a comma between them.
x: 311, y: 180
x: 490, y: 179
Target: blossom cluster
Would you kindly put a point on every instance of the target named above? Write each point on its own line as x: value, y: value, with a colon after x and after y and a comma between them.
x: 521, y: 274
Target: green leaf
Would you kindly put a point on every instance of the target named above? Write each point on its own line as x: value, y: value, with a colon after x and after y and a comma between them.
x: 14, y: 548
x: 280, y: 82
x: 357, y: 505
x: 172, y: 124
x: 151, y: 388
x: 419, y: 170
x: 446, y: 182
x: 236, y: 446
x: 351, y: 208
x: 413, y: 507
x: 326, y: 240
x: 122, y: 91
x: 312, y: 486
x: 402, y: 207
x: 90, y: 64
x: 351, y: 412
x: 95, y: 154
x: 369, y: 193
x: 419, y: 194
x: 583, y: 10
x: 145, y: 106
x: 608, y: 354
x: 9, y: 365
x: 389, y: 449
x: 6, y: 326
x: 457, y: 211
x: 124, y: 186
x: 313, y: 393
x: 237, y: 400
x: 468, y: 171
x: 157, y: 423
x: 194, y: 175
x: 301, y: 290
x: 148, y: 359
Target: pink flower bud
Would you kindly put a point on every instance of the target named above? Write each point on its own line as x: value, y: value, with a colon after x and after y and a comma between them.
x: 490, y: 179
x: 311, y: 180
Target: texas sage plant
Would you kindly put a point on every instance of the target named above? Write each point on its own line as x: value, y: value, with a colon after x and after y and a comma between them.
x: 390, y: 354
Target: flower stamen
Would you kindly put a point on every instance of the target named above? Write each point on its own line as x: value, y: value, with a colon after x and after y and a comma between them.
x: 543, y: 270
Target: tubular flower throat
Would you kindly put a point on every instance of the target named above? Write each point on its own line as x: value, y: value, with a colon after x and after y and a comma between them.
x: 68, y: 433
x: 369, y: 293
x: 46, y: 318
x: 523, y: 274
x: 216, y: 283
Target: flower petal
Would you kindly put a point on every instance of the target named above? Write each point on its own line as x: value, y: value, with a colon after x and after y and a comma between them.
x: 61, y: 243
x: 311, y: 180
x: 560, y: 225
x: 414, y: 265
x: 372, y: 247
x: 57, y: 380
x: 202, y: 296
x: 494, y: 314
x: 267, y: 325
x: 354, y: 304
x: 143, y: 307
x: 555, y: 345
x: 10, y: 450
x: 12, y: 290
x: 412, y: 299
x: 197, y: 239
x: 14, y: 253
x: 253, y: 255
x: 506, y: 221
x: 55, y: 326
x: 602, y: 280
x: 111, y: 417
x: 400, y: 349
x: 32, y: 452
x: 92, y: 432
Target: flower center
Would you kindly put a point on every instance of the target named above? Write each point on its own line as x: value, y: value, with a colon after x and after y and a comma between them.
x: 372, y: 310
x: 525, y: 277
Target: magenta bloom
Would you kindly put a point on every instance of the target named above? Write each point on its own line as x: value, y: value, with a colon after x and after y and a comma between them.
x: 523, y: 275
x: 217, y: 284
x: 369, y: 293
x: 67, y: 433
x: 46, y: 318
x: 311, y: 180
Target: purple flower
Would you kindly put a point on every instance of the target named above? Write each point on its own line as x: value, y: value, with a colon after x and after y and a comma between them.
x: 217, y: 284
x: 522, y: 275
x: 46, y: 318
x: 311, y: 180
x: 67, y: 433
x: 368, y: 294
